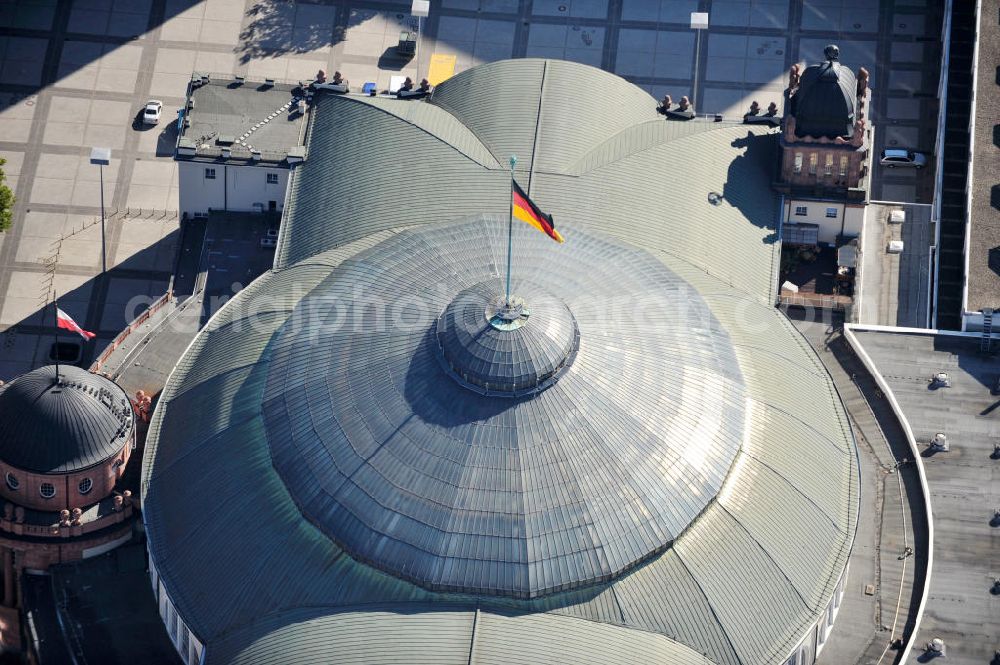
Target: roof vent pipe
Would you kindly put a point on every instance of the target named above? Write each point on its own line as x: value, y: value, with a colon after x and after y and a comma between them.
x: 940, y: 442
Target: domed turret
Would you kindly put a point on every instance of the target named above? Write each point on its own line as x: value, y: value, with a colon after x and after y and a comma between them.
x: 51, y: 424
x: 495, y: 348
x: 826, y: 101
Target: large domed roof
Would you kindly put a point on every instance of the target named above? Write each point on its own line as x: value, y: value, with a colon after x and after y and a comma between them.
x: 321, y: 484
x: 627, y: 413
x: 50, y: 425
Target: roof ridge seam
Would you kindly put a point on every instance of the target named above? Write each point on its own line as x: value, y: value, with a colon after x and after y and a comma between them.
x: 794, y: 487
x: 720, y: 278
x: 708, y: 603
x: 767, y: 554
x: 496, y: 165
x: 815, y: 431
x: 538, y: 124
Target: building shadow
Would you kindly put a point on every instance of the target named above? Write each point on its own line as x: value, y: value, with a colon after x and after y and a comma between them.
x: 104, y: 304
x: 967, y: 350
x: 748, y: 181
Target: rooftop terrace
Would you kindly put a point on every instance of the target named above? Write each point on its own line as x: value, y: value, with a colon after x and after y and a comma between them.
x: 962, y: 606
x: 242, y: 121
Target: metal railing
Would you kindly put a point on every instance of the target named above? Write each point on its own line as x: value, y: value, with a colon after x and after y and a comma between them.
x: 816, y: 301
x: 124, y: 334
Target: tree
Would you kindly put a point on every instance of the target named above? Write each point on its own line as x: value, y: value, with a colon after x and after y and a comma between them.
x: 6, y: 200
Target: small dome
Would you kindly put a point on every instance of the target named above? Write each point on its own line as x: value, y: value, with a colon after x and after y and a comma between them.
x: 826, y: 100
x: 493, y: 348
x: 50, y: 425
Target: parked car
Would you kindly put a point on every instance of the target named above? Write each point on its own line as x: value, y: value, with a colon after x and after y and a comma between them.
x: 151, y: 114
x: 893, y: 157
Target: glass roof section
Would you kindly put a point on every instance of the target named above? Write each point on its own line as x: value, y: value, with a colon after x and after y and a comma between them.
x: 632, y: 416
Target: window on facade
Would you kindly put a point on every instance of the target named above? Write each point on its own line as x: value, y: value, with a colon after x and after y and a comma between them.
x: 831, y: 213
x: 47, y: 490
x: 85, y: 485
x: 801, y: 211
x: 843, y: 165
x: 209, y: 174
x: 272, y: 178
x: 171, y: 622
x: 828, y: 166
x: 12, y: 481
x: 798, y: 162
x: 813, y: 160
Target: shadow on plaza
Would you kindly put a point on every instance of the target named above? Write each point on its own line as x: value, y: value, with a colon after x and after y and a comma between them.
x: 104, y: 304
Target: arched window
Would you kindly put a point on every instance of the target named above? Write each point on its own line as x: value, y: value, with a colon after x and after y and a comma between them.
x: 85, y: 485
x: 47, y: 490
x: 12, y: 481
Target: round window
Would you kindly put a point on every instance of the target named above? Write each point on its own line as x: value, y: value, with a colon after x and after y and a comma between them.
x: 47, y: 490
x: 12, y: 481
x: 85, y: 485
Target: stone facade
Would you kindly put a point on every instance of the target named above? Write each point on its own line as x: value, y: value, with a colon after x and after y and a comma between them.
x: 827, y: 166
x: 67, y: 486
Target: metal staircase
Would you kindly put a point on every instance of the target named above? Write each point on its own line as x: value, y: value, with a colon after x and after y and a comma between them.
x: 985, y: 342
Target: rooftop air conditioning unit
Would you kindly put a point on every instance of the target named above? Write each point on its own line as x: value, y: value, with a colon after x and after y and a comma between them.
x: 895, y: 247
x: 897, y: 216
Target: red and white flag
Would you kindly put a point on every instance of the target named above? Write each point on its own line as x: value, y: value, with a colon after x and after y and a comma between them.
x: 66, y: 322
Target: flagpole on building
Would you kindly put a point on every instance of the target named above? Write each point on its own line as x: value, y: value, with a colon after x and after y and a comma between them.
x: 510, y: 225
x: 55, y: 320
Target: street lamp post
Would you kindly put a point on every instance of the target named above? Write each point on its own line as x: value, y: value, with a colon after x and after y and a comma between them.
x: 699, y: 22
x: 420, y: 9
x: 102, y: 157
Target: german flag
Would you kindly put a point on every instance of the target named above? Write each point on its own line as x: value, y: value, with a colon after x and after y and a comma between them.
x: 526, y: 211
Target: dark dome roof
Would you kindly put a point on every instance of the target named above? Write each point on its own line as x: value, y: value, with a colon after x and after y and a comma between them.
x: 60, y: 427
x: 512, y: 350
x: 460, y: 489
x: 826, y: 101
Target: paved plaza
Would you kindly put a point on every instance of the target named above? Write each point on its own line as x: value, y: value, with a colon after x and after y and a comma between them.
x: 74, y: 75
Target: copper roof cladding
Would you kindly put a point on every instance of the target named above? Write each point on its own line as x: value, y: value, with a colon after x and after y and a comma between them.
x: 61, y: 426
x: 463, y: 488
x: 826, y: 101
x: 257, y: 579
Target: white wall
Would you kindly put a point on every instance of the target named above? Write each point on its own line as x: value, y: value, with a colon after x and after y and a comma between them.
x: 234, y: 187
x: 829, y: 227
x: 854, y: 220
x: 188, y: 646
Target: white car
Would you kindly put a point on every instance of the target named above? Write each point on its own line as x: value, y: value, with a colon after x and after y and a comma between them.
x: 892, y: 158
x: 151, y: 114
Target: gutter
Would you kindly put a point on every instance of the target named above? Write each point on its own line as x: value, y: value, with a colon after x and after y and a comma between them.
x: 972, y: 166
x: 866, y: 360
x: 939, y: 147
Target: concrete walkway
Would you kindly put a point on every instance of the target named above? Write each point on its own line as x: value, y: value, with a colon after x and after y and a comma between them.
x: 892, y: 518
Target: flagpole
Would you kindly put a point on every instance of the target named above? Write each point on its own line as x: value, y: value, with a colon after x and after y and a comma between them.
x: 55, y: 314
x: 510, y: 225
